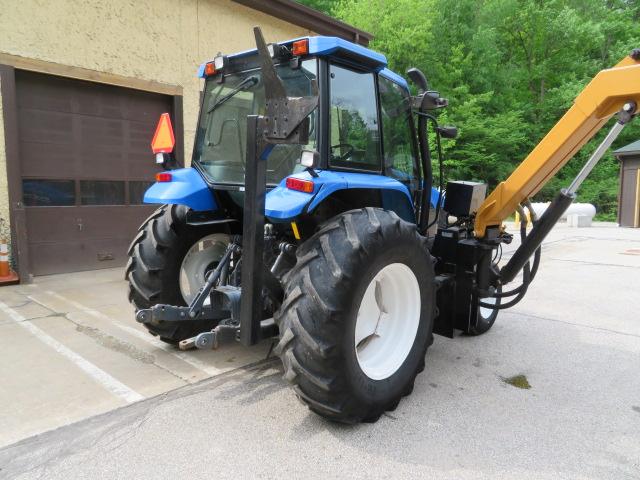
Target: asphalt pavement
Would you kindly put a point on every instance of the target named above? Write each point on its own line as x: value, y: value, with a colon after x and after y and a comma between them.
x: 574, y: 340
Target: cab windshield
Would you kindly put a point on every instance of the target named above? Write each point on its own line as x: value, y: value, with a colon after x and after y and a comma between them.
x: 222, y: 128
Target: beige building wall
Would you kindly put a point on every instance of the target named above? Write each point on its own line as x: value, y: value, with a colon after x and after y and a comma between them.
x: 156, y: 40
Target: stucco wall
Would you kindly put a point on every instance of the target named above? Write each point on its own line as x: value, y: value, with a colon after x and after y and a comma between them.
x: 158, y: 40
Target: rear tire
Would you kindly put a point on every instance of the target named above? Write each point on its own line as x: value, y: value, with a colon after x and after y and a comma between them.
x: 323, y: 295
x: 153, y: 271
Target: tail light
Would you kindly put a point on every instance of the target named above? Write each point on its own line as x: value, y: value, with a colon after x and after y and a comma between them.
x: 300, y: 185
x: 163, y: 177
x: 301, y: 47
x: 210, y: 69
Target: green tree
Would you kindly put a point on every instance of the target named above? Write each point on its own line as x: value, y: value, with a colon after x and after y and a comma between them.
x: 510, y: 69
x: 324, y: 6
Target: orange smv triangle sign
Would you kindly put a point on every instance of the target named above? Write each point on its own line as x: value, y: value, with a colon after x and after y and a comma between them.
x: 163, y: 140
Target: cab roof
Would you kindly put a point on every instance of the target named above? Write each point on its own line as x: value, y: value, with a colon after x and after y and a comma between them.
x: 338, y: 48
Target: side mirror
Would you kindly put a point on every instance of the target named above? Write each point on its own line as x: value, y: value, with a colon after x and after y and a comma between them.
x: 419, y: 79
x: 448, y: 131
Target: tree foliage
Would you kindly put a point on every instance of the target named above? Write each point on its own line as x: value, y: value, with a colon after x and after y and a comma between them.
x: 510, y: 69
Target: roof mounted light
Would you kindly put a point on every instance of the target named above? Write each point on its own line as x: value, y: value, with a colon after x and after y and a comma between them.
x: 309, y: 158
x: 219, y: 62
x: 300, y: 47
x: 212, y: 68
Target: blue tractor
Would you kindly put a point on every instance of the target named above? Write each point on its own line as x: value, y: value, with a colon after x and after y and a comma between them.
x: 309, y: 215
x: 305, y: 215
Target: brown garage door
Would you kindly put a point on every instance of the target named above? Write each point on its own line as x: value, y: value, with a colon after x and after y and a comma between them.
x: 85, y: 162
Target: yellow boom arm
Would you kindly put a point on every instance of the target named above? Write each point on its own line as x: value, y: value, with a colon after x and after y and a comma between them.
x: 604, y: 96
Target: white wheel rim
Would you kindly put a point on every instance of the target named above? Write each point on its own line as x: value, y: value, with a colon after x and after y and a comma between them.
x: 486, y: 312
x: 387, y: 321
x: 201, y: 257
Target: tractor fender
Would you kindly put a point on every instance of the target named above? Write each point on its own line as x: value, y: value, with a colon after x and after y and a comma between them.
x: 187, y: 187
x: 283, y: 204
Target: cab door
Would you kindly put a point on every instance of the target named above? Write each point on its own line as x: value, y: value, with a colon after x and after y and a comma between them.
x: 400, y: 160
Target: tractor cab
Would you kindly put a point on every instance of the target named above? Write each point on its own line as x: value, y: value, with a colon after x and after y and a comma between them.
x: 361, y: 124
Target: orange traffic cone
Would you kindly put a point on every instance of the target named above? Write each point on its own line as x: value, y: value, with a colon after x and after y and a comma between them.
x: 7, y: 276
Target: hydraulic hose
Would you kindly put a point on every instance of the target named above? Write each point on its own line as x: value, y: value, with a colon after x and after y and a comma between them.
x: 528, y: 271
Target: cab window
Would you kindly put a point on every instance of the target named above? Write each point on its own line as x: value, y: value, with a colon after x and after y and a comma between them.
x: 354, y: 131
x: 398, y: 144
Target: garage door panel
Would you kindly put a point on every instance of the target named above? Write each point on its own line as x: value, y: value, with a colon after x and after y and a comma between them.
x: 44, y: 160
x: 83, y: 238
x: 52, y: 224
x: 140, y: 136
x: 45, y: 127
x: 114, y: 222
x: 145, y: 108
x: 76, y: 223
x: 141, y: 167
x: 39, y: 92
x: 107, y: 103
x: 106, y: 162
x: 90, y: 254
x: 85, y: 146
x: 101, y: 132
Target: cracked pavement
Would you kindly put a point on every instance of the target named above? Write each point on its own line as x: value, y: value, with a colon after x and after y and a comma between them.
x: 574, y: 340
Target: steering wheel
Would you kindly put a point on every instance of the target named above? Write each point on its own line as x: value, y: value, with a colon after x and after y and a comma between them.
x: 344, y: 156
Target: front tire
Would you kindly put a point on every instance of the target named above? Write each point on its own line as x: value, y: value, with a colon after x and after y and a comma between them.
x: 156, y: 256
x: 360, y: 264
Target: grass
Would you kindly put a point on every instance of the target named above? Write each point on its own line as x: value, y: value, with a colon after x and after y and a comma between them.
x: 518, y: 381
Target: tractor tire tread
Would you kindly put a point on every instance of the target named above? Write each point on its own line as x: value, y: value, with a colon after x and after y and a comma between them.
x: 151, y: 270
x: 310, y: 319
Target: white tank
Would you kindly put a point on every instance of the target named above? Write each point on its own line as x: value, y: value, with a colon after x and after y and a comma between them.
x: 582, y: 209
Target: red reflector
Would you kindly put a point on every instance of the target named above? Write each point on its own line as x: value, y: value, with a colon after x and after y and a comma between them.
x: 301, y: 47
x: 305, y: 186
x: 163, y: 177
x: 210, y: 69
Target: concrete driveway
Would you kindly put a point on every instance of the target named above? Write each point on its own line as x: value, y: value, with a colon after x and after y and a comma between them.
x: 72, y: 349
x: 575, y: 339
